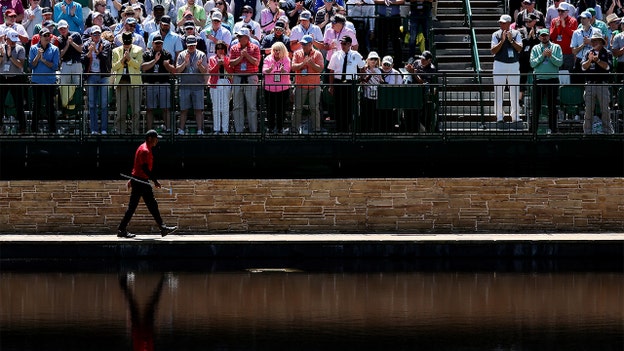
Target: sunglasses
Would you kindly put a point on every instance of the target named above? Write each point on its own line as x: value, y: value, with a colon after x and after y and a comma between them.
x: 387, y: 65
x: 12, y: 16
x: 46, y: 35
x: 219, y: 3
x: 96, y: 34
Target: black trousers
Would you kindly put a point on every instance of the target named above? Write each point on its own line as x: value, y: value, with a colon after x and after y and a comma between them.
x: 546, y: 88
x: 140, y: 190
x: 388, y: 29
x: 14, y: 85
x: 344, y: 102
x: 276, y: 108
x: 43, y: 93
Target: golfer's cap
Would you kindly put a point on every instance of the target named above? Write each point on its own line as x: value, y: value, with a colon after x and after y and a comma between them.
x: 97, y: 14
x: 157, y: 39
x: 49, y: 23
x: 563, y: 7
x: 47, y: 10
x: 189, y: 24
x: 591, y: 11
x: 131, y: 20
x: 152, y: 134
x: 387, y: 59
x: 62, y: 24
x: 96, y: 29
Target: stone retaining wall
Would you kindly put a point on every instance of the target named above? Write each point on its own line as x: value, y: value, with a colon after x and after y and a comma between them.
x: 322, y: 205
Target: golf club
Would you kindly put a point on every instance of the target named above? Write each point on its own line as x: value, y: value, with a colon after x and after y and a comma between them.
x: 144, y: 182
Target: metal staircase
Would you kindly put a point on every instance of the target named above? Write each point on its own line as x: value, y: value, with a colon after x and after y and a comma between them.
x: 469, y: 91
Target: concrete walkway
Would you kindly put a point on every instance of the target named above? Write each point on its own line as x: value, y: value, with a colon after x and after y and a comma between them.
x: 492, y: 245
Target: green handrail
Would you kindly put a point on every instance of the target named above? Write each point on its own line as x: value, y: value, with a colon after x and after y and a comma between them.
x: 475, y: 55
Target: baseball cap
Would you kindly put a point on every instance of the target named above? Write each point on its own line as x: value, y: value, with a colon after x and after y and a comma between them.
x: 159, y: 7
x: 49, y: 23
x: 280, y: 25
x: 189, y: 24
x: 585, y: 14
x: 157, y: 39
x: 12, y: 35
x: 346, y: 39
x: 165, y: 19
x: 387, y: 59
x: 426, y: 55
x: 152, y: 134
x: 44, y: 31
x: 243, y: 31
x: 563, y: 7
x: 47, y: 10
x: 216, y: 16
x: 247, y: 8
x: 305, y: 15
x: 504, y: 19
x: 131, y: 20
x: 591, y: 11
x: 543, y: 31
x: 97, y: 14
x: 9, y: 12
x: 62, y: 24
x: 96, y: 29
x: 191, y: 40
x: 373, y: 55
x: 306, y: 39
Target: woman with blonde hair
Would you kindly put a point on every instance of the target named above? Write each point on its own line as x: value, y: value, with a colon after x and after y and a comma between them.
x: 276, y: 74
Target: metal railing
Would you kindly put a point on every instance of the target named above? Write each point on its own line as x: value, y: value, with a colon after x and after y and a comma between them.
x: 440, y: 110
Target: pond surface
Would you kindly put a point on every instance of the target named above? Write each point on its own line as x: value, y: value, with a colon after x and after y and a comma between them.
x: 265, y: 305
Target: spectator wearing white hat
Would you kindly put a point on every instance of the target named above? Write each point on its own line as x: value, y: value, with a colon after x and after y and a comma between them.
x: 12, y: 58
x: 216, y: 32
x: 391, y: 76
x: 70, y: 44
x: 193, y: 64
x: 553, y: 12
x: 506, y: 45
x: 306, y: 27
x: 245, y: 59
x: 270, y: 15
x: 96, y: 56
x: 561, y: 30
x: 370, y: 80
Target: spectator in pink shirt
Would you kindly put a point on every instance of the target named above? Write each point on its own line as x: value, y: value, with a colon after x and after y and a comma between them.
x: 276, y: 70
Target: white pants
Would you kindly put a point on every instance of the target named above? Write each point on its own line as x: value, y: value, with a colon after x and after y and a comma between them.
x: 506, y: 74
x: 221, y: 105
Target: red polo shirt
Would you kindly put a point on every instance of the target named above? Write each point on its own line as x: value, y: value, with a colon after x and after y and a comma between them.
x: 142, y: 156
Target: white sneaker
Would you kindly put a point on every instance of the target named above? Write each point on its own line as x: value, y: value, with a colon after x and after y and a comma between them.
x: 200, y: 132
x: 180, y: 131
x: 94, y: 133
x: 104, y: 132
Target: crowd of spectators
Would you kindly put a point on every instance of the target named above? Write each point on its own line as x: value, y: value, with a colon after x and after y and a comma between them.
x: 581, y: 43
x: 217, y: 48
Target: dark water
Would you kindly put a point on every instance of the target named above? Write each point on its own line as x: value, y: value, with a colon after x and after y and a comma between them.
x: 291, y: 306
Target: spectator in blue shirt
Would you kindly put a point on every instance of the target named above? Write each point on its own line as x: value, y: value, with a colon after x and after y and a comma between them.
x: 44, y: 60
x: 71, y: 12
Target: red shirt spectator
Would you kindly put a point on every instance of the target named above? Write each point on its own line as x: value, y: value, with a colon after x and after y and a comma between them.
x: 561, y: 29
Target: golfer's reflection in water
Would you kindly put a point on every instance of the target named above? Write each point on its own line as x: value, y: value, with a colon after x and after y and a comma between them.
x: 142, y: 323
